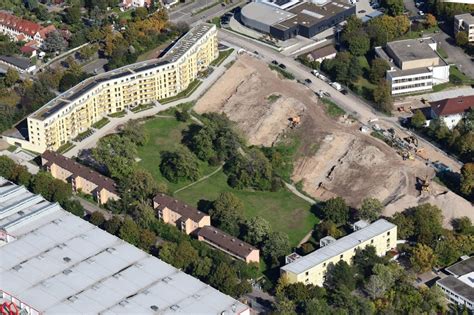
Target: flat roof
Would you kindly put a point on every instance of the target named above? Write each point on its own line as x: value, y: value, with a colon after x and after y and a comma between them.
x: 338, y: 247
x: 468, y: 17
x: 265, y: 13
x: 60, y: 263
x: 458, y: 286
x: 310, y: 14
x: 412, y: 49
x: 178, y: 49
x: 461, y: 268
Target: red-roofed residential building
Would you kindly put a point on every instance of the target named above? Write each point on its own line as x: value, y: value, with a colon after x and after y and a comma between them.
x: 127, y: 4
x: 22, y: 30
x: 452, y: 110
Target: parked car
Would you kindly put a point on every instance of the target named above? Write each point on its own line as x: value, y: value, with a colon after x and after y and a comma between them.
x: 274, y: 62
x: 282, y: 66
x: 344, y: 91
x: 308, y: 81
x: 315, y: 72
x: 336, y: 85
x: 421, y: 13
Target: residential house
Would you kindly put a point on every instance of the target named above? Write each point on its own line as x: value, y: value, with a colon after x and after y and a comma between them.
x: 229, y: 244
x: 465, y: 23
x: 23, y: 30
x: 452, y: 110
x: 82, y: 178
x: 184, y: 217
x: 327, y: 52
x: 127, y: 4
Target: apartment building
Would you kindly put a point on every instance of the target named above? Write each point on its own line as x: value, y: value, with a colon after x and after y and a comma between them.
x: 311, y: 269
x: 229, y: 244
x: 53, y: 262
x: 77, y: 109
x: 415, y: 65
x: 23, y: 30
x: 81, y: 178
x: 458, y: 287
x: 172, y: 211
x: 465, y: 23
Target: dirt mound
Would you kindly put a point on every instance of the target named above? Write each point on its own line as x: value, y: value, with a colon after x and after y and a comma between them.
x: 257, y: 100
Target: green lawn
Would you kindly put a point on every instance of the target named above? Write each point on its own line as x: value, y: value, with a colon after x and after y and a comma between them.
x: 332, y: 109
x: 189, y: 90
x: 285, y: 212
x: 284, y: 73
x: 101, y: 123
x: 223, y: 54
x: 165, y: 135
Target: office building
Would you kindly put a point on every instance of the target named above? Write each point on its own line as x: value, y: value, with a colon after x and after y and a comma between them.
x: 229, y: 244
x: 311, y: 269
x: 458, y: 287
x: 306, y: 19
x: 465, y: 23
x: 53, y: 262
x: 82, y: 178
x: 415, y: 66
x: 184, y: 217
x: 77, y: 109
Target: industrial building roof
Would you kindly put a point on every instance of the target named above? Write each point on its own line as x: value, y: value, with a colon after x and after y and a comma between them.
x: 310, y: 14
x: 463, y: 286
x: 265, y: 14
x: 185, y: 210
x: 80, y: 170
x: 178, y: 49
x: 461, y: 268
x: 412, y: 49
x: 55, y: 262
x: 338, y: 247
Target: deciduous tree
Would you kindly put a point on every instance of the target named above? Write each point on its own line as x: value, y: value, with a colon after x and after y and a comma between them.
x: 54, y: 42
x: 335, y: 210
x: 227, y: 213
x: 370, y: 209
x: 11, y: 77
x: 129, y: 231
x: 467, y: 179
x: 422, y: 258
x: 276, y: 246
x: 179, y: 165
x: 418, y: 119
x: 256, y: 230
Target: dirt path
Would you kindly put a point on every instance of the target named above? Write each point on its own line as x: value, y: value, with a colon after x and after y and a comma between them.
x: 199, y: 180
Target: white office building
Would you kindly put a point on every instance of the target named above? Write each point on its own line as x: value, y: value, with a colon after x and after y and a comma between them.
x: 52, y: 262
x: 415, y: 66
x: 459, y: 286
x: 465, y: 23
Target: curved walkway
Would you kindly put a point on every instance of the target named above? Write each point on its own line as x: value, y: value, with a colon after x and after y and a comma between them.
x: 199, y: 180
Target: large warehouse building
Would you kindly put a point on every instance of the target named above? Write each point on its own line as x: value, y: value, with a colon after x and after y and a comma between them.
x: 302, y: 18
x: 53, y: 262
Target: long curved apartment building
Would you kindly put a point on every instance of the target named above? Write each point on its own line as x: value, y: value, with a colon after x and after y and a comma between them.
x: 77, y: 109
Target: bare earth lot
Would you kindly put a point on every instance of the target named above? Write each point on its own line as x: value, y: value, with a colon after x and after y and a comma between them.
x: 346, y: 163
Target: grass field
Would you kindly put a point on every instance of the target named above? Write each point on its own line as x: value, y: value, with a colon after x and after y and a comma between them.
x: 165, y: 135
x: 285, y: 212
x: 222, y: 56
x: 332, y: 109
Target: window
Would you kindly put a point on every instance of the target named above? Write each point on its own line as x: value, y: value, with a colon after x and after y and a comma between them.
x: 371, y: 241
x: 341, y: 256
x: 306, y: 273
x: 388, y: 233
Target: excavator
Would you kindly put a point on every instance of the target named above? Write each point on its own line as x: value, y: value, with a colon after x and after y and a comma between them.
x: 294, y: 121
x: 423, y: 184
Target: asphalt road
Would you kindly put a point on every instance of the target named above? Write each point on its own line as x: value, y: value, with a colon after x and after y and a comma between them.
x: 455, y: 54
x: 351, y: 103
x: 184, y: 13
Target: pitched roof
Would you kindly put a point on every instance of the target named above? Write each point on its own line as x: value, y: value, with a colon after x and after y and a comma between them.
x: 16, y: 23
x: 451, y: 106
x: 20, y: 62
x: 226, y: 241
x: 80, y: 170
x: 323, y: 52
x: 165, y: 201
x: 46, y: 30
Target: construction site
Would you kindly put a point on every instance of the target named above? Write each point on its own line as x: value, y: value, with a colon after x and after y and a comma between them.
x: 351, y: 160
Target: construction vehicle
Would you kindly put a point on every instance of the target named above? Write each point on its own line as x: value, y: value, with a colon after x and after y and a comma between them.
x: 421, y: 153
x: 407, y: 155
x: 294, y: 121
x: 423, y: 184
x: 412, y: 140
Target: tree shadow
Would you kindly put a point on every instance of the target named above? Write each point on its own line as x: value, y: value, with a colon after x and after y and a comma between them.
x: 204, y: 205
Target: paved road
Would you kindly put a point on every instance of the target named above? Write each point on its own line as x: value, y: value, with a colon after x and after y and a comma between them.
x: 184, y: 13
x: 92, y: 207
x: 351, y: 103
x: 455, y: 54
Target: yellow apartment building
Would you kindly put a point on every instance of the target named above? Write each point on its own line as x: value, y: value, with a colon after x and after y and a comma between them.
x: 311, y: 269
x: 77, y: 109
x: 184, y: 217
x: 81, y: 178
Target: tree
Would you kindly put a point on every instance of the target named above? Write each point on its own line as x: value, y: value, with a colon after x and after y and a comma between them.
x: 202, y: 267
x: 227, y: 213
x: 185, y: 255
x: 11, y: 77
x: 317, y: 306
x: 113, y: 225
x: 370, y: 209
x: 7, y: 167
x: 147, y: 239
x: 430, y: 20
x: 422, y: 258
x: 139, y: 185
x: 382, y: 97
x: 327, y: 228
x: 428, y: 222
x: 54, y: 42
x: 336, y: 210
x: 97, y: 218
x: 50, y: 188
x: 179, y: 165
x: 394, y: 7
x: 182, y: 116
x: 462, y: 225
x: 365, y: 260
x: 359, y: 43
x: 405, y: 225
x: 86, y: 52
x: 340, y: 275
x: 418, y: 119
x: 140, y: 13
x: 142, y: 214
x: 355, y: 69
x: 353, y: 26
x: 117, y: 154
x: 467, y: 179
x: 276, y: 246
x: 224, y: 279
x: 461, y: 39
x: 376, y: 287
x: 377, y: 70
x: 136, y: 132
x: 73, y: 14
x: 257, y: 230
x: 129, y: 231
x: 74, y: 207
x: 252, y: 170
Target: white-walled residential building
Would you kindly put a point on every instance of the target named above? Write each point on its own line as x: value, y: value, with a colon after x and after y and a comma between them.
x: 452, y: 110
x: 465, y: 23
x: 127, y: 4
x: 459, y: 286
x: 415, y: 66
x: 311, y: 269
x: 53, y: 262
x: 23, y: 30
